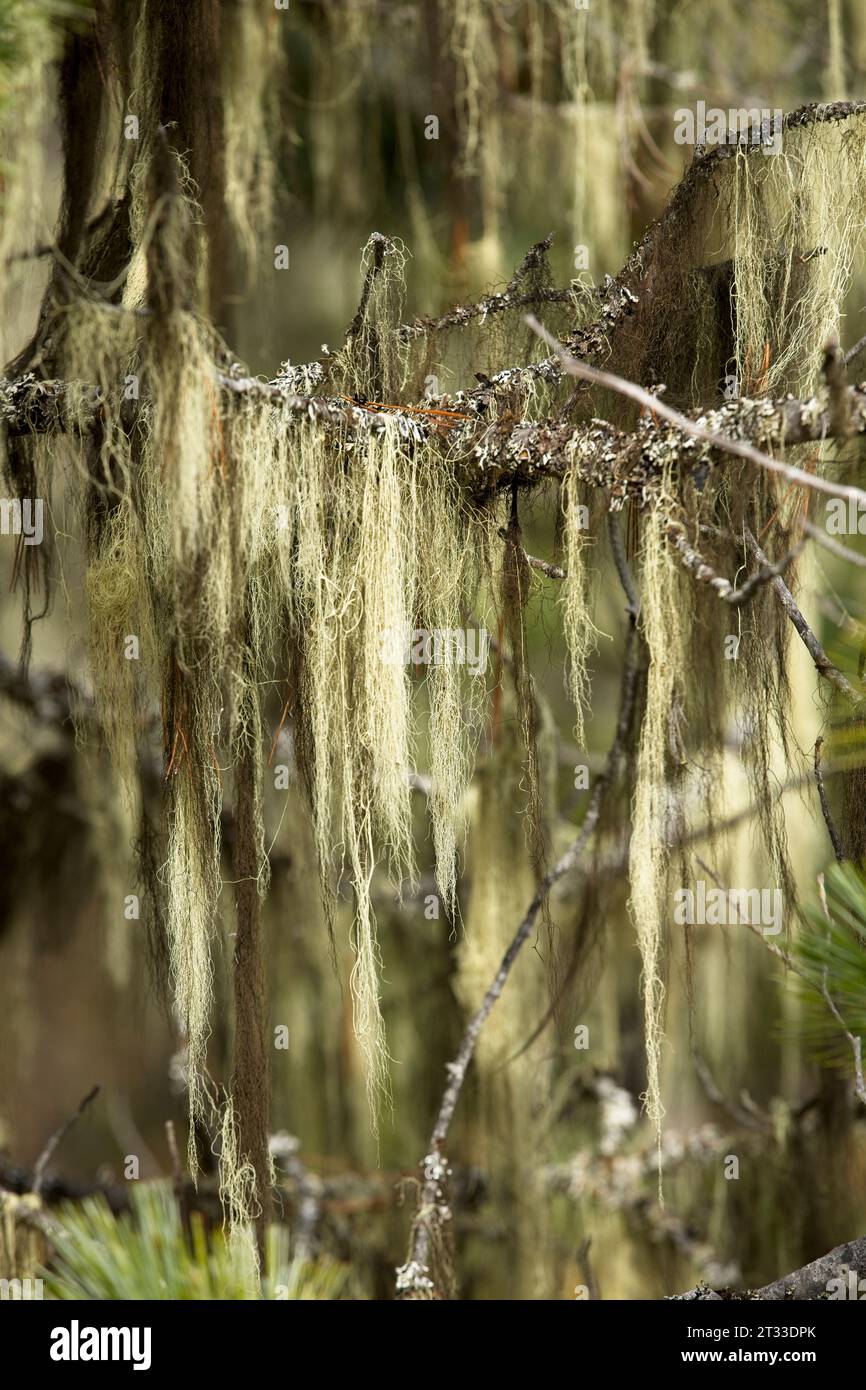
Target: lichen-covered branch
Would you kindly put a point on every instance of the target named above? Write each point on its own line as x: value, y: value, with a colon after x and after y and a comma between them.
x: 810, y: 1282
x: 705, y: 574
x: 514, y: 296
x: 492, y: 456
x: 698, y: 428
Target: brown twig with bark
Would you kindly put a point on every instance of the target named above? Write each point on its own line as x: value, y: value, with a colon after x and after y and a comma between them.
x: 415, y: 1279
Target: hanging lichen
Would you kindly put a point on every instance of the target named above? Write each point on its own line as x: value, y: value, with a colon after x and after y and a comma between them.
x: 663, y: 617
x: 253, y: 62
x: 380, y: 577
x: 576, y: 600
x: 797, y: 218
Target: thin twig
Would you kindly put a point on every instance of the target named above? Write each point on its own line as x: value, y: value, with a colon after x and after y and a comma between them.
x: 753, y: 926
x: 543, y: 566
x: 747, y: 1116
x: 738, y: 447
x: 45, y: 1157
x: 823, y: 664
x: 838, y: 849
x: 842, y: 552
x: 433, y: 1198
x: 623, y: 568
x: 855, y: 351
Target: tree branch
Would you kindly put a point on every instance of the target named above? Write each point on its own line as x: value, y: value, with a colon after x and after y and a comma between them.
x: 835, y: 840
x: 823, y: 664
x: 492, y: 456
x: 739, y: 448
x: 56, y: 1138
x: 414, y: 1278
x: 705, y: 574
x: 808, y: 1283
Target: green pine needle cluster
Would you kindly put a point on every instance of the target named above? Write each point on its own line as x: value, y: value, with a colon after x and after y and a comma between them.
x: 830, y: 950
x: 150, y: 1256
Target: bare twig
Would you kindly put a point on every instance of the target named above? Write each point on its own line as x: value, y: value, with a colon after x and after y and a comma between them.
x: 823, y: 664
x: 842, y: 552
x: 543, y: 566
x: 747, y: 1116
x: 414, y: 1277
x: 825, y: 806
x: 753, y: 926
x: 45, y: 1157
x: 623, y: 569
x: 855, y: 351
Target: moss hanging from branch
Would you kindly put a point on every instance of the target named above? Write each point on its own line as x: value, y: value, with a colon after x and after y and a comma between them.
x: 515, y: 592
x: 450, y: 565
x: 251, y: 1089
x: 797, y: 219
x: 375, y: 551
x: 370, y: 366
x: 576, y: 600
x: 664, y: 629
